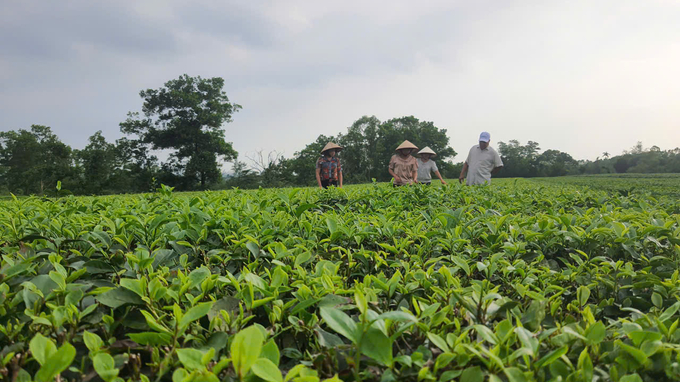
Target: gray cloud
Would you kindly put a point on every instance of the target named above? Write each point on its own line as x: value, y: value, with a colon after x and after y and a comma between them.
x: 581, y: 76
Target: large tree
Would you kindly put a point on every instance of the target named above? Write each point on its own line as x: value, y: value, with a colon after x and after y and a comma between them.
x: 186, y: 115
x: 97, y: 162
x: 34, y: 160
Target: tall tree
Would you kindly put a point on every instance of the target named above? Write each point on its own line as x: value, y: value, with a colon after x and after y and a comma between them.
x: 135, y: 167
x: 391, y: 133
x: 518, y: 160
x: 34, y: 160
x: 186, y: 115
x: 97, y: 163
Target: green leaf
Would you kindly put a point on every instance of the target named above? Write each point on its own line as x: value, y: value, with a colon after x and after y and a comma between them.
x: 657, y: 300
x: 105, y: 366
x: 375, y: 344
x: 59, y: 279
x: 398, y: 316
x: 551, y: 357
x: 304, y: 305
x: 640, y: 336
x: 486, y: 333
x: 302, y: 208
x: 179, y: 375
x: 118, y: 297
x: 197, y: 276
x: 669, y: 312
x: 449, y: 375
x: 191, y: 359
x: 514, y: 374
x: 585, y: 365
x: 302, y: 258
x: 153, y: 324
x: 134, y: 285
x: 42, y: 348
x: 631, y: 378
x: 472, y: 374
x: 462, y: 264
x: 528, y: 340
x: 533, y: 317
x: 340, y: 323
x: 267, y: 370
x: 195, y: 313
x: 443, y: 360
x: 583, y: 294
x: 246, y: 348
x: 151, y: 338
x: 271, y: 352
x: 332, y: 225
x: 328, y: 340
x: 596, y: 333
x: 438, y: 342
x: 253, y: 248
x: 56, y: 363
x: 92, y: 341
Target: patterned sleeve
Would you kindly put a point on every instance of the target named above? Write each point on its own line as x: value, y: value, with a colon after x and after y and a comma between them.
x: 339, y: 167
x: 318, y: 163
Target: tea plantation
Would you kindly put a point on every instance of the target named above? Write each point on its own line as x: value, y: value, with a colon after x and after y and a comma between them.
x: 546, y: 280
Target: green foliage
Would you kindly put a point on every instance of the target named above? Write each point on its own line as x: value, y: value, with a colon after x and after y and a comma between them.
x: 32, y: 161
x: 186, y: 115
x: 368, y: 146
x: 518, y: 281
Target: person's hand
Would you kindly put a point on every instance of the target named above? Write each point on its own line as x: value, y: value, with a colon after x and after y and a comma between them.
x: 397, y: 179
x: 320, y: 187
x: 443, y: 183
x: 461, y: 178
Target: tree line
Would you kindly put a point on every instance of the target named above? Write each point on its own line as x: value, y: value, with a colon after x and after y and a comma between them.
x: 186, y: 117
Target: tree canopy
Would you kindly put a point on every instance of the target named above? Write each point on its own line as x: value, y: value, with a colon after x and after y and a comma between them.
x: 186, y: 116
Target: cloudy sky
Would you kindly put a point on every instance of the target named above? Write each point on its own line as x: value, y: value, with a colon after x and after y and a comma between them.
x: 579, y: 76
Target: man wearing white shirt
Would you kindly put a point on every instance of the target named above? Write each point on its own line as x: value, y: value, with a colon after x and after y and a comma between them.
x: 482, y: 161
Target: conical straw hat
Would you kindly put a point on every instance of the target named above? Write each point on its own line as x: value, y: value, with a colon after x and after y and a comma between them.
x: 427, y: 150
x: 331, y: 145
x: 407, y: 145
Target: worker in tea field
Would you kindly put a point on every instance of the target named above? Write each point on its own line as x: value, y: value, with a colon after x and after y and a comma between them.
x: 328, y: 168
x: 403, y: 166
x: 482, y: 161
x: 426, y: 166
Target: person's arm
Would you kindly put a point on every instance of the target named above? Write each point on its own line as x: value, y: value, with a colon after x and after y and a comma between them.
x: 396, y: 178
x: 415, y: 175
x: 462, y: 172
x: 390, y: 168
x: 436, y: 172
x: 318, y: 177
x: 340, y: 178
x: 498, y: 163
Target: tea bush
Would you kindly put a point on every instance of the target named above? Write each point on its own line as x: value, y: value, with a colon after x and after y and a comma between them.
x: 522, y: 280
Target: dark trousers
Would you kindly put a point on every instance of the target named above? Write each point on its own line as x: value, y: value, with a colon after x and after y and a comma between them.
x: 329, y: 182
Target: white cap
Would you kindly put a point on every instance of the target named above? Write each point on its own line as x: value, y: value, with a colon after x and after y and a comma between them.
x: 484, y: 137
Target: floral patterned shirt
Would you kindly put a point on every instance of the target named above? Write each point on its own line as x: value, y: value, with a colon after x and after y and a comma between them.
x: 330, y: 168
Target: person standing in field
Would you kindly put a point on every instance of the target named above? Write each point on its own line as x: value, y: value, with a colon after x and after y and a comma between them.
x: 403, y: 167
x: 482, y: 161
x: 328, y: 168
x: 426, y: 166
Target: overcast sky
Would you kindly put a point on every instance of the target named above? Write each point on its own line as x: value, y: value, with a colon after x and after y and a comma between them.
x: 578, y: 76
